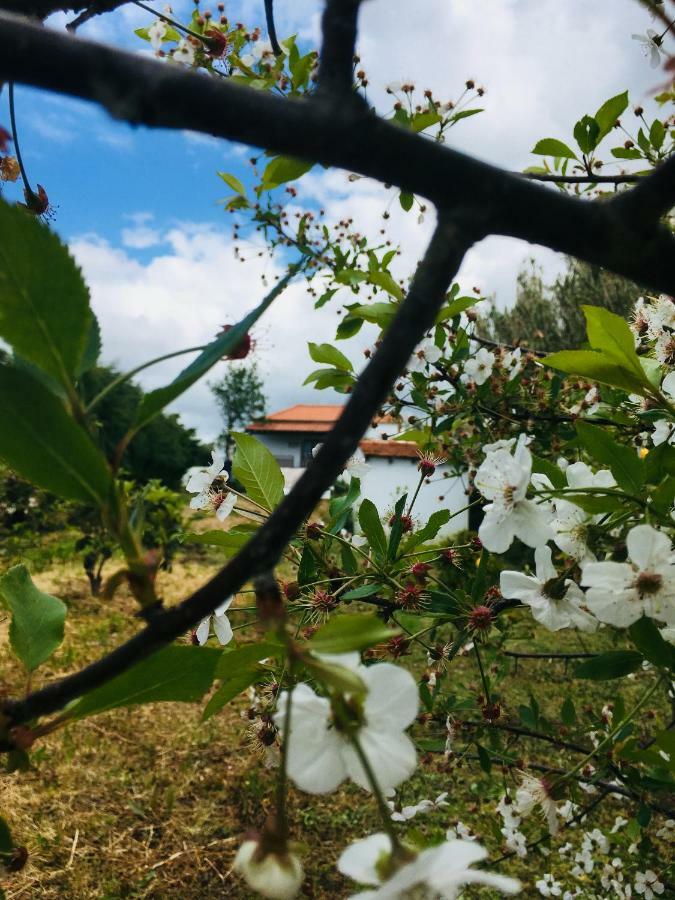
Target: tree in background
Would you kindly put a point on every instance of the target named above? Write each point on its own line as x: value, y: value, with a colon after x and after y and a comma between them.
x: 240, y: 397
x: 164, y: 450
x: 550, y: 316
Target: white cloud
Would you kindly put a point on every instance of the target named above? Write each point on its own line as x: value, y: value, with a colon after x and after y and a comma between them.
x: 182, y: 297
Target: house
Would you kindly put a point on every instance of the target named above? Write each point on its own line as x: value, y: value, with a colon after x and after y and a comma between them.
x: 291, y: 434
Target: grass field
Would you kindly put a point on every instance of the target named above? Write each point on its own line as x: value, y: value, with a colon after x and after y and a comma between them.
x: 151, y: 801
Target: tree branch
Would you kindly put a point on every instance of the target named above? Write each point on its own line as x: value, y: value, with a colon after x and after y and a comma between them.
x: 653, y: 197
x: 157, y: 94
x: 337, y: 51
x: 271, y: 28
x: 583, y: 179
x: 416, y: 314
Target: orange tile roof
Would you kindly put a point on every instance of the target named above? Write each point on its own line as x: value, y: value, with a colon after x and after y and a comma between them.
x: 308, y: 417
x: 401, y: 449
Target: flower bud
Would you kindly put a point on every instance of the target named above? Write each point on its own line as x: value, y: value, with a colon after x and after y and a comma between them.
x: 275, y: 873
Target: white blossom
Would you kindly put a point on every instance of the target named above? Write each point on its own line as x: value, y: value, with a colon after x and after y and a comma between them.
x: 277, y: 875
x: 648, y: 885
x: 589, y: 405
x: 512, y: 362
x: 320, y: 755
x: 221, y: 625
x: 424, y: 806
x: 426, y: 354
x: 535, y: 792
x: 443, y: 870
x: 478, y: 368
x: 156, y: 34
x: 548, y: 886
x: 651, y: 46
x: 184, y: 53
x: 503, y: 478
x: 554, y: 603
x: 620, y: 592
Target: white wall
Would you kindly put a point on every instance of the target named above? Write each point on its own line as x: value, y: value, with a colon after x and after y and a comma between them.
x: 388, y: 478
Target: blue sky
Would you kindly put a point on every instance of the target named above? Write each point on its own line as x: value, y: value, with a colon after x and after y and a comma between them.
x: 139, y: 207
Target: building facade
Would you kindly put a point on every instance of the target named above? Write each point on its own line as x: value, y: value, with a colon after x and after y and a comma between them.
x: 291, y: 434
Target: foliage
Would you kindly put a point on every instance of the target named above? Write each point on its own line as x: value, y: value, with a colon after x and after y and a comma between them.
x: 549, y: 317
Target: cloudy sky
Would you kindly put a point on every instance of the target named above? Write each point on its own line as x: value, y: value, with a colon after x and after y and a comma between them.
x: 139, y: 208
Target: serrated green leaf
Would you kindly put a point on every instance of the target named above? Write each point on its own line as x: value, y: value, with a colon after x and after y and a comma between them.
x: 259, y: 472
x: 283, y: 169
x: 36, y: 629
x: 345, y: 633
x: 42, y: 442
x: 455, y: 307
x: 365, y: 590
x: 657, y: 134
x: 586, y: 133
x: 606, y: 666
x: 611, y: 335
x: 327, y: 353
x: 44, y: 302
x: 553, y: 147
x: 230, y: 541
x: 568, y: 713
x: 598, y: 367
x: 385, y: 281
x: 626, y: 153
x: 176, y: 674
x: 232, y: 661
x: 609, y: 112
x: 233, y: 182
x: 623, y: 461
x: 555, y: 475
x: 369, y: 520
x: 428, y: 532
x: 229, y: 689
x: 423, y: 120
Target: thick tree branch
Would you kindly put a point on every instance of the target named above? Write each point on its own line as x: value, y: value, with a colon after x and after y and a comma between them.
x: 653, y: 197
x: 416, y: 314
x: 152, y: 93
x: 337, y: 51
x: 43, y: 8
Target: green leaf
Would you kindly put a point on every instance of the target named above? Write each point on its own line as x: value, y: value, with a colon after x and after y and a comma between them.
x: 464, y: 114
x: 229, y: 689
x: 378, y: 313
x: 657, y: 134
x: 176, y: 674
x: 598, y: 367
x: 225, y: 343
x: 283, y: 169
x: 609, y: 112
x: 553, y: 147
x: 455, y: 307
x: 428, y: 532
x: 647, y: 638
x: 586, y: 133
x: 423, y: 120
x: 568, y: 713
x: 614, y: 664
x: 230, y: 541
x: 396, y: 532
x: 233, y: 182
x: 623, y: 461
x: 369, y: 520
x: 366, y: 590
x: 340, y: 508
x: 259, y: 472
x: 307, y: 570
x: 43, y: 443
x: 626, y: 153
x: 345, y: 633
x: 36, y: 629
x: 406, y: 200
x: 387, y: 283
x: 484, y: 759
x: 327, y: 353
x: 555, y: 475
x: 333, y: 675
x: 611, y: 334
x: 234, y: 659
x: 44, y: 302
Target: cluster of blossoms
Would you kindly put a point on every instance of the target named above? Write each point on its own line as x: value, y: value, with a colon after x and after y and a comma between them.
x: 362, y: 737
x: 618, y: 593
